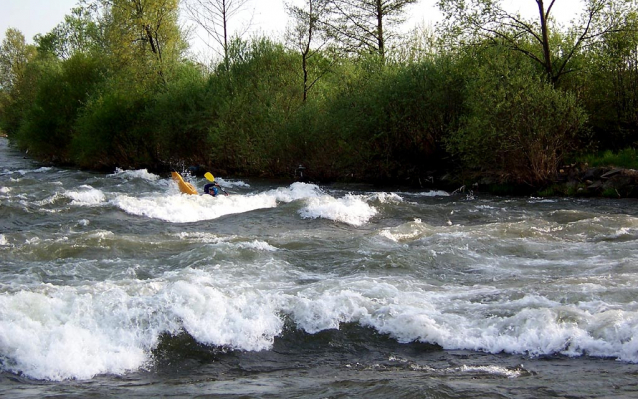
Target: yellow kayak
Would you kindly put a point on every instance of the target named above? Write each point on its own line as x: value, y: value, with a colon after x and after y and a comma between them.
x: 184, y: 186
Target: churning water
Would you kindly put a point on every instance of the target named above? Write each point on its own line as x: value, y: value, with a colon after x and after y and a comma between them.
x: 118, y: 285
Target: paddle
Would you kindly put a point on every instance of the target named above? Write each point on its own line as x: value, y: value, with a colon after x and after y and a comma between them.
x: 209, y: 176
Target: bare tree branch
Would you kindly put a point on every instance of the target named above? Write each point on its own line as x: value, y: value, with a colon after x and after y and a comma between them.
x: 214, y: 17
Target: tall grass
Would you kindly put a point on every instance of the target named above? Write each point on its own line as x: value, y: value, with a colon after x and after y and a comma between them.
x: 625, y: 158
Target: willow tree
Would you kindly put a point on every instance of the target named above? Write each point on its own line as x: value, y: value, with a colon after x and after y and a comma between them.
x: 78, y: 33
x: 140, y: 48
x: 366, y: 25
x: 472, y: 21
x: 15, y: 56
x: 142, y: 35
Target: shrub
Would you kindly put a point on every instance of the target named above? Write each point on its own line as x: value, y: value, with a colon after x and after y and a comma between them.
x: 110, y: 133
x: 626, y: 158
x: 60, y: 90
x: 517, y: 126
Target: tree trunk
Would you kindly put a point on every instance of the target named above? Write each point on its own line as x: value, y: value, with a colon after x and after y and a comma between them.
x: 547, y: 56
x: 380, y: 38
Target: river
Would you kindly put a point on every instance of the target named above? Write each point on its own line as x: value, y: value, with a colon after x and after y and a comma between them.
x: 117, y: 285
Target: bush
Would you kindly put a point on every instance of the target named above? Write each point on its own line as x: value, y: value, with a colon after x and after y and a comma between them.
x: 626, y: 158
x: 59, y: 91
x: 110, y: 132
x: 180, y: 118
x: 517, y: 127
x: 251, y: 104
x: 384, y: 122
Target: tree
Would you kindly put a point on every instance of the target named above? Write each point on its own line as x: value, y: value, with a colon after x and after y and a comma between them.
x: 420, y: 43
x: 366, y: 23
x: 214, y: 17
x: 472, y: 21
x: 516, y: 127
x: 14, y: 57
x: 304, y: 33
x: 610, y: 89
x: 59, y: 92
x: 142, y: 34
x: 78, y: 33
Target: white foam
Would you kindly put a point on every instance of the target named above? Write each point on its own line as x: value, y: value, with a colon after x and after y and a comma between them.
x: 52, y: 199
x: 350, y: 209
x: 210, y: 238
x: 296, y: 191
x: 200, y: 237
x: 3, y: 240
x: 533, y: 326
x: 78, y: 332
x: 231, y: 183
x: 42, y: 169
x: 135, y: 174
x: 64, y: 335
x: 86, y: 196
x: 257, y: 245
x: 536, y: 200
x: 24, y: 172
x: 183, y: 208
x: 407, y: 231
x: 237, y: 319
x: 386, y: 198
x: 433, y: 193
x: 494, y: 370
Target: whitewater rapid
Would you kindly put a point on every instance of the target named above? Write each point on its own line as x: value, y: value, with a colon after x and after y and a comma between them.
x: 97, y: 268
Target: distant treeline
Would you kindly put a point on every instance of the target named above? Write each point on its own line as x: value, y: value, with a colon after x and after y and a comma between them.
x: 488, y: 94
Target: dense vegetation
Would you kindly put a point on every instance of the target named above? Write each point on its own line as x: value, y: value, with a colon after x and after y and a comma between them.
x: 483, y: 97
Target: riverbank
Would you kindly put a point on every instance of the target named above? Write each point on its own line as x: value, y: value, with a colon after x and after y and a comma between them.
x: 602, y: 181
x: 573, y: 181
x: 576, y: 180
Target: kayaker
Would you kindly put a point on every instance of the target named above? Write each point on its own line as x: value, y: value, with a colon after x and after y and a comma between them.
x: 213, y: 189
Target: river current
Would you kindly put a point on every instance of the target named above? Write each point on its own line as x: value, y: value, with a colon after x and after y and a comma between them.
x: 117, y: 285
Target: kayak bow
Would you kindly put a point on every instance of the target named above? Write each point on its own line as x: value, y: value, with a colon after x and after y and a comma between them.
x: 184, y: 186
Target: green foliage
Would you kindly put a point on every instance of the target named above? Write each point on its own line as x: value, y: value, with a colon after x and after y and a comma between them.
x: 569, y: 189
x: 517, y: 127
x: 58, y: 90
x: 78, y: 33
x: 364, y: 26
x: 610, y: 88
x: 188, y: 99
x: 626, y: 158
x: 109, y: 132
x: 40, y: 131
x: 253, y: 101
x: 142, y: 40
x: 548, y: 192
x: 111, y: 88
x: 540, y: 38
x: 15, y: 56
x: 387, y: 122
x: 611, y: 193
